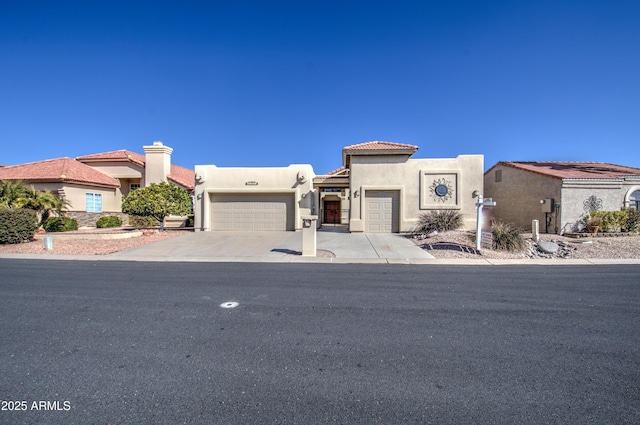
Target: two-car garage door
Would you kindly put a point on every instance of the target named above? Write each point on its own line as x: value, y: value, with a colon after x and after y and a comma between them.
x: 252, y: 211
x: 276, y: 211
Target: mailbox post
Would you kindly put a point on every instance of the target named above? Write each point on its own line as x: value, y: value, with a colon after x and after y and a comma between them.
x: 486, y: 202
x: 309, y: 235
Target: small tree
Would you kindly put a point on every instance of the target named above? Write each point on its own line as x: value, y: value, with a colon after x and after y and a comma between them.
x: 158, y: 200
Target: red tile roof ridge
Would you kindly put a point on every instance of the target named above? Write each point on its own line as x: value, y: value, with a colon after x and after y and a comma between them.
x: 58, y: 169
x: 332, y: 172
x: 380, y: 145
x: 120, y: 154
x: 36, y: 162
x: 576, y: 170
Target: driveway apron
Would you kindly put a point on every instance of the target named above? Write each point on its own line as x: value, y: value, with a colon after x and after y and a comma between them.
x: 273, y: 245
x: 201, y: 245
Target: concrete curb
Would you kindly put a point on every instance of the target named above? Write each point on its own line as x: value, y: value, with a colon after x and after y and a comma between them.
x: 291, y: 259
x: 84, y: 236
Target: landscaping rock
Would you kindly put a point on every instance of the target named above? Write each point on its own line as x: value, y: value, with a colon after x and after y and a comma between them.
x: 548, y: 247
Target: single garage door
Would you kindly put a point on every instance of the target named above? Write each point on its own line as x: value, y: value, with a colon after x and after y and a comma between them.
x: 252, y: 211
x: 382, y: 211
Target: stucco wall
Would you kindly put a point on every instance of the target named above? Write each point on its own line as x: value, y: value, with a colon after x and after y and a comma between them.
x: 119, y: 170
x: 518, y: 196
x: 76, y: 195
x: 125, y: 185
x: 608, y: 195
x: 296, y: 179
x: 519, y: 192
x: 412, y: 179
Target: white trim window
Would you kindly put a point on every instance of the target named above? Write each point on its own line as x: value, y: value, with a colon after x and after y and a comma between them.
x: 94, y: 202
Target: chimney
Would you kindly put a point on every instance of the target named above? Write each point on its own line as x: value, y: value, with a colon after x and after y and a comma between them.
x: 157, y: 163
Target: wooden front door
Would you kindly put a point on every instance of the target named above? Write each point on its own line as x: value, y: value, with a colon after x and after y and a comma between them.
x: 331, y: 212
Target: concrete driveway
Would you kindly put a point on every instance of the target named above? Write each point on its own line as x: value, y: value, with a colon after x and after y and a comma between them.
x: 276, y: 246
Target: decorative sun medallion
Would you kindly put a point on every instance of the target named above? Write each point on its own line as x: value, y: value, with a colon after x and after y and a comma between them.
x: 441, y: 190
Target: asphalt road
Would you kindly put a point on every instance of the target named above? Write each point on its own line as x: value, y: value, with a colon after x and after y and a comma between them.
x: 148, y: 343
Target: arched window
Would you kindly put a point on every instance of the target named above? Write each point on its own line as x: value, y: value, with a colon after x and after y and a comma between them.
x: 634, y: 200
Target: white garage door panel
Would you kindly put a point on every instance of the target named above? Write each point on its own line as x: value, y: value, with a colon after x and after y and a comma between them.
x: 382, y: 211
x: 252, y: 211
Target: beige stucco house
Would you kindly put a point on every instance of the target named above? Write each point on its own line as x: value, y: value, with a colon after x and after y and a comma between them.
x: 559, y: 194
x: 95, y: 185
x: 379, y: 188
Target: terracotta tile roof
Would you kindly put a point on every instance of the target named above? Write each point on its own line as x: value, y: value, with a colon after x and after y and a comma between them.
x: 574, y: 170
x: 377, y: 145
x: 336, y: 171
x: 338, y: 176
x: 120, y: 155
x: 182, y: 176
x: 66, y: 170
x: 376, y: 148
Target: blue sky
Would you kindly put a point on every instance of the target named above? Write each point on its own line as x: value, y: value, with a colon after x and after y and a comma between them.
x: 269, y: 83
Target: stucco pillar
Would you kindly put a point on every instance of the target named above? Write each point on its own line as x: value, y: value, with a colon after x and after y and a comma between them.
x: 157, y: 163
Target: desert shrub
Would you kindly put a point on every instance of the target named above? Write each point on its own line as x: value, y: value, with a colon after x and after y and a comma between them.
x: 17, y: 225
x: 507, y: 237
x: 612, y: 221
x: 438, y: 220
x: 633, y: 221
x: 60, y: 224
x: 108, y: 221
x: 140, y: 222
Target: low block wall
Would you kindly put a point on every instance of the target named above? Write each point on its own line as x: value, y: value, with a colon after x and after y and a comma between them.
x: 88, y: 219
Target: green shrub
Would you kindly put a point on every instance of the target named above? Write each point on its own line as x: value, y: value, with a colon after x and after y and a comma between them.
x: 108, y: 221
x: 140, y: 222
x: 612, y: 221
x: 633, y: 221
x: 17, y: 225
x: 438, y: 220
x: 507, y: 237
x: 60, y: 224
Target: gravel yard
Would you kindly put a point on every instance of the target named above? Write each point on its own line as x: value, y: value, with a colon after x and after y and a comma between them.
x: 88, y: 246
x: 457, y: 244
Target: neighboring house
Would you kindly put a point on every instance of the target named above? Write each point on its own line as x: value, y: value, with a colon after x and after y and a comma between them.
x: 95, y: 185
x: 377, y: 189
x: 559, y: 194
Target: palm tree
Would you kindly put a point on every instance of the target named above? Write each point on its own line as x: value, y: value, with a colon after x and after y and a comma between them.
x: 11, y: 191
x: 44, y: 202
x: 60, y: 207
